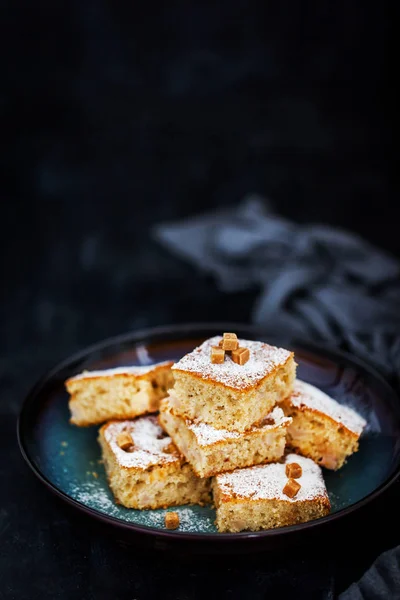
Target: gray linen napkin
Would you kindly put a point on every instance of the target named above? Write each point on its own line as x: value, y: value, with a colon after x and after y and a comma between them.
x: 314, y: 281
x: 380, y: 582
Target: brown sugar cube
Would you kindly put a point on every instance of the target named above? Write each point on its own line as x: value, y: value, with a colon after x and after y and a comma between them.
x: 124, y: 441
x: 293, y: 470
x: 229, y: 336
x: 172, y: 520
x: 291, y: 488
x: 241, y: 356
x: 217, y: 355
x: 229, y: 341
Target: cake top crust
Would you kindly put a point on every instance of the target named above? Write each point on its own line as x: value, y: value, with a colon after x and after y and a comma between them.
x: 206, y: 434
x: 149, y: 440
x: 264, y: 359
x: 306, y: 395
x: 266, y: 482
x: 138, y: 371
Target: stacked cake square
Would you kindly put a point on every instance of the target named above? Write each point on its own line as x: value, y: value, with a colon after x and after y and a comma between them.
x: 223, y: 414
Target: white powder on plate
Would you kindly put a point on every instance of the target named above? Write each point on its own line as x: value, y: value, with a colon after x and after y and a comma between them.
x: 91, y: 494
x: 191, y: 518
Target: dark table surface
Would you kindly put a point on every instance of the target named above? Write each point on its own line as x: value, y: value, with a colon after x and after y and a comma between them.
x: 60, y: 306
x: 114, y: 118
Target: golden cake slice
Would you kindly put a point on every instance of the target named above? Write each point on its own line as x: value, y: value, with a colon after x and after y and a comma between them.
x: 254, y: 498
x: 211, y: 451
x: 121, y: 393
x: 145, y: 469
x: 229, y: 395
x: 322, y: 429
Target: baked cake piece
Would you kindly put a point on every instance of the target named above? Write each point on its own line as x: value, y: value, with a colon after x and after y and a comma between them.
x: 211, y: 451
x: 231, y: 395
x: 322, y: 429
x: 253, y: 498
x: 145, y: 469
x: 121, y: 393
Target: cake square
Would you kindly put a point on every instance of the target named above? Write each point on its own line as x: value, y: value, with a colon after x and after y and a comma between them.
x: 211, y: 451
x: 120, y: 393
x: 151, y: 473
x: 230, y: 395
x: 253, y: 499
x: 321, y: 429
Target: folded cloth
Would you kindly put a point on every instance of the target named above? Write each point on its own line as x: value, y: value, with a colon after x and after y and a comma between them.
x: 380, y: 582
x: 315, y: 282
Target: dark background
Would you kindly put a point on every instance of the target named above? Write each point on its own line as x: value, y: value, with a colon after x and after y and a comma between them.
x: 118, y: 115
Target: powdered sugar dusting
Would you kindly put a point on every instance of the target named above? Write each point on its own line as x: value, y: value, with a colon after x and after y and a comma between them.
x: 149, y: 441
x: 188, y: 519
x: 131, y: 370
x: 91, y: 494
x: 263, y: 360
x: 266, y: 482
x: 192, y: 519
x: 305, y: 394
x: 207, y: 434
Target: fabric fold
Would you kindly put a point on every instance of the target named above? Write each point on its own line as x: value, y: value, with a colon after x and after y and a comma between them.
x: 315, y: 281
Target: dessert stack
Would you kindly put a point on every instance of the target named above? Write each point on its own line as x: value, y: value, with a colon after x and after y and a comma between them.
x: 223, y: 414
x: 234, y: 427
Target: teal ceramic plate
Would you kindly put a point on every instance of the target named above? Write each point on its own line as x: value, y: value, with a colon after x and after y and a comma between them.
x: 67, y: 458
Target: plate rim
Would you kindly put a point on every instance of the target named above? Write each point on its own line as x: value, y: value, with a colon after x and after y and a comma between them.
x: 191, y: 327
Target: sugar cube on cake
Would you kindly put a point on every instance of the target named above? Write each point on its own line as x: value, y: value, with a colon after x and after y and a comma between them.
x: 322, y: 428
x: 254, y: 498
x: 210, y: 451
x: 120, y: 393
x: 150, y: 472
x: 229, y: 395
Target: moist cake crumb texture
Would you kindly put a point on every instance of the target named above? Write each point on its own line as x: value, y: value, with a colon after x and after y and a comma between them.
x: 150, y: 443
x: 210, y: 451
x: 263, y: 360
x: 207, y: 434
x: 305, y: 394
x: 96, y: 397
x: 266, y: 482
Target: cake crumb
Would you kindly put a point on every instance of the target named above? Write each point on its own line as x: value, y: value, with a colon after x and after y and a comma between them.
x: 172, y: 520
